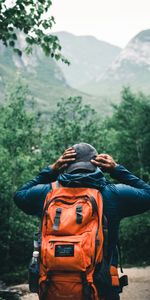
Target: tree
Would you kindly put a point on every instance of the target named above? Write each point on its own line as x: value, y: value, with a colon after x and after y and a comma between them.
x: 135, y: 240
x: 72, y: 122
x: 24, y: 150
x: 31, y: 18
x: 131, y: 127
x: 19, y: 136
x: 126, y: 135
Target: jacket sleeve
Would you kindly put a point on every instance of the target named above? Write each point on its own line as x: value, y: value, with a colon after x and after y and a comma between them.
x: 124, y: 176
x: 30, y: 197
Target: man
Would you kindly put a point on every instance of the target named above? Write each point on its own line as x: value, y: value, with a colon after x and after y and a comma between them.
x: 82, y: 166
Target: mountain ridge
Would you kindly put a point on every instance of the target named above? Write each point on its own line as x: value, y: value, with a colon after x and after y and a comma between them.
x: 108, y: 73
x: 88, y: 55
x: 131, y: 67
x: 44, y: 77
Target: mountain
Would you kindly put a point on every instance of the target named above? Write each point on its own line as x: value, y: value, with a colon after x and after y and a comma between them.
x: 131, y: 67
x: 89, y: 57
x: 97, y: 73
x: 42, y: 74
x: 46, y: 79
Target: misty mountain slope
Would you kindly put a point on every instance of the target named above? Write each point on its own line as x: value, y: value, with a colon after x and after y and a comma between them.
x: 43, y: 76
x: 48, y: 82
x: 40, y: 73
x: 89, y: 57
x: 131, y: 67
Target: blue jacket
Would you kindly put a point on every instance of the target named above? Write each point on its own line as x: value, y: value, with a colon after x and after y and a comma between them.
x: 130, y: 197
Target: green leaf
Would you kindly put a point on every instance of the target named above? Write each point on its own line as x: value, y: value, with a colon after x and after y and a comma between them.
x: 57, y: 56
x: 14, y: 36
x: 10, y: 28
x: 30, y: 40
x: 11, y: 43
x: 18, y: 51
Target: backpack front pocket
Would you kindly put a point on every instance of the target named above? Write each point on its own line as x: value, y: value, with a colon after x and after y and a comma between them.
x: 65, y: 253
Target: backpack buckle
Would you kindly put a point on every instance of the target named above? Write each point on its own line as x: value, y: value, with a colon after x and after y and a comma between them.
x: 57, y: 218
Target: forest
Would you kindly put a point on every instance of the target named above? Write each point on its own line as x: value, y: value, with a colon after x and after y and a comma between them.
x: 29, y: 143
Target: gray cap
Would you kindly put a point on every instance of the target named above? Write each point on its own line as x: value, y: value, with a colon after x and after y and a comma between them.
x: 85, y: 152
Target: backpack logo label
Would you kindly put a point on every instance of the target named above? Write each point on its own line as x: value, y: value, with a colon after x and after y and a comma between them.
x: 64, y: 250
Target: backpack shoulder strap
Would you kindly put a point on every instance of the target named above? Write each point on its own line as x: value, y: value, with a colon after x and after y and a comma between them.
x: 105, y: 233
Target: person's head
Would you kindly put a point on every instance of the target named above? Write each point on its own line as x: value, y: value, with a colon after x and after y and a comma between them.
x: 84, y: 153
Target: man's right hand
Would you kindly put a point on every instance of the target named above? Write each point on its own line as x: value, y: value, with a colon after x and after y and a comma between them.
x: 68, y: 156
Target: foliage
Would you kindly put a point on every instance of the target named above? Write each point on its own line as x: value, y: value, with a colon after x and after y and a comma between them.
x: 127, y: 138
x: 127, y: 133
x: 18, y: 162
x: 71, y: 123
x: 27, y: 146
x: 31, y: 18
x: 135, y: 240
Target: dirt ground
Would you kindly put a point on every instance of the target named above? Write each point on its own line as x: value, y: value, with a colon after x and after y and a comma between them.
x: 139, y: 284
x: 138, y: 288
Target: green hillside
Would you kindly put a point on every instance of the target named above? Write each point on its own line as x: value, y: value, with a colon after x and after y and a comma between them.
x: 44, y: 79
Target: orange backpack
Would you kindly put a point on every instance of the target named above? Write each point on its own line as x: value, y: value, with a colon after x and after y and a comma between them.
x: 72, y: 244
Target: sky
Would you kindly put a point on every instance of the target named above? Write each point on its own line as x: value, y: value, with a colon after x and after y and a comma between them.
x: 113, y: 21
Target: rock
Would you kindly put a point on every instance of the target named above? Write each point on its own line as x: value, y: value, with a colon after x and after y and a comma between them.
x: 6, y: 293
x: 9, y: 295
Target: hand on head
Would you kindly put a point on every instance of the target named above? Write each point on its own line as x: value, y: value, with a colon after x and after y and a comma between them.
x: 68, y: 156
x: 104, y: 161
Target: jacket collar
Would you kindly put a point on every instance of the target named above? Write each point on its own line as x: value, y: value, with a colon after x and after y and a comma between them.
x: 94, y: 180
